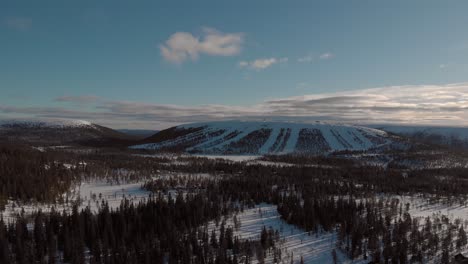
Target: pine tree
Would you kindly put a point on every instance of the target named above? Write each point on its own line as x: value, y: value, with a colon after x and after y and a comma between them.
x: 214, y: 242
x: 334, y: 256
x: 461, y: 239
x: 264, y: 238
x: 445, y: 257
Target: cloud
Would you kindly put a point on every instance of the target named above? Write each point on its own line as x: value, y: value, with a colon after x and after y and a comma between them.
x: 243, y: 64
x: 326, y: 56
x: 307, y: 58
x: 182, y: 46
x: 260, y: 64
x: 19, y: 23
x: 415, y: 104
x: 412, y: 104
x: 77, y: 99
x: 310, y: 58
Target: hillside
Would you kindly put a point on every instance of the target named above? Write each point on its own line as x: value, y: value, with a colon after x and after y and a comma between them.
x: 239, y: 137
x: 60, y: 131
x: 139, y: 133
x: 456, y: 137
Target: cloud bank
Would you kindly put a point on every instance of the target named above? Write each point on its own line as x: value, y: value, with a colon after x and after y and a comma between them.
x: 182, y: 46
x: 412, y: 104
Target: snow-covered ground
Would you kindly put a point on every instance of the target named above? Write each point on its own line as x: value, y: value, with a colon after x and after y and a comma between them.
x: 317, y: 248
x: 421, y: 207
x: 235, y: 158
x: 178, y: 159
x: 90, y: 194
x: 93, y: 193
x: 295, y: 242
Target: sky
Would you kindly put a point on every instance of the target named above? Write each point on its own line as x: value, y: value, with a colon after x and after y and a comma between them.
x: 155, y: 64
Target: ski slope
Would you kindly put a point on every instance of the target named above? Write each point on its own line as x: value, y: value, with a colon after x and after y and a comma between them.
x: 260, y: 138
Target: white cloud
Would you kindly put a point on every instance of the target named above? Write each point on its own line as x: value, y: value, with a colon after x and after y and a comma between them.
x: 443, y: 66
x: 19, y: 23
x: 326, y: 56
x: 260, y: 64
x: 412, y: 104
x: 310, y: 57
x: 243, y: 64
x: 182, y: 46
x: 307, y: 58
x: 263, y: 63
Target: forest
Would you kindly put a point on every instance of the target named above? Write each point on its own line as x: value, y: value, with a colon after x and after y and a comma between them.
x: 317, y: 194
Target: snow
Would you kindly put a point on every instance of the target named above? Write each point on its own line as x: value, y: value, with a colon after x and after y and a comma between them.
x: 423, y: 208
x: 235, y: 158
x: 270, y: 141
x: 212, y: 140
x: 243, y: 132
x: 45, y: 122
x: 91, y: 193
x: 331, y: 140
x: 337, y: 136
x: 458, y: 132
x: 40, y: 149
x: 294, y: 241
x: 292, y: 140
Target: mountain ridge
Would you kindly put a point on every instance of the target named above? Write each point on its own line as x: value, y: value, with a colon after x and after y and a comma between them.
x: 57, y: 131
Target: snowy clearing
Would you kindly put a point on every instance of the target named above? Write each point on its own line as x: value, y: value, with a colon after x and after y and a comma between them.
x: 294, y: 242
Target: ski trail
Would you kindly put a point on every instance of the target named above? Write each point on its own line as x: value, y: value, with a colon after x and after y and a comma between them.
x: 271, y: 140
x: 292, y: 140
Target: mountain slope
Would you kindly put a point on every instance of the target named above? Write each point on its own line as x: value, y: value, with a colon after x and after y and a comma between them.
x: 140, y: 133
x: 60, y: 131
x: 456, y: 137
x: 238, y: 137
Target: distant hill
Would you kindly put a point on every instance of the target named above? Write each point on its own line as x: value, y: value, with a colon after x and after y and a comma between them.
x: 456, y: 137
x: 239, y: 138
x: 61, y: 131
x: 141, y: 133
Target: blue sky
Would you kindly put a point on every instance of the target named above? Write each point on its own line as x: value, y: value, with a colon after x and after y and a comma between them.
x: 108, y: 61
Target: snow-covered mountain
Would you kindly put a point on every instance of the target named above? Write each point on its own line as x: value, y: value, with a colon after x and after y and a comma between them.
x: 57, y: 131
x: 239, y: 137
x: 45, y: 123
x: 451, y: 136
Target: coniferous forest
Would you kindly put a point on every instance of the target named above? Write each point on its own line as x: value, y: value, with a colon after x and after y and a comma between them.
x: 355, y: 201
